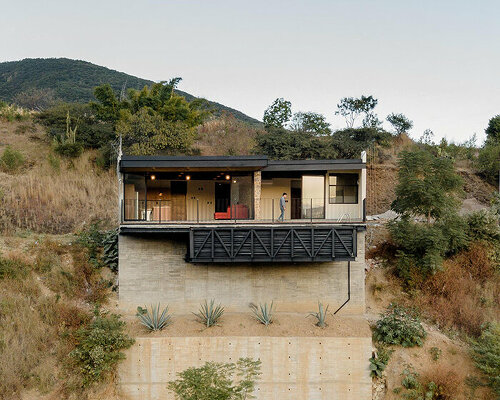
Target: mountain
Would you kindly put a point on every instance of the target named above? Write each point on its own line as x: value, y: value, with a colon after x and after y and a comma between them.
x: 75, y: 80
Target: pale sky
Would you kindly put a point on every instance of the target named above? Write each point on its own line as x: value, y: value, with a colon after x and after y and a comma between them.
x: 436, y: 61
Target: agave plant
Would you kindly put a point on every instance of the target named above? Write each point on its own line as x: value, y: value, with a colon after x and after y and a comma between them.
x: 320, y: 315
x: 209, y: 314
x: 152, y: 319
x: 263, y: 313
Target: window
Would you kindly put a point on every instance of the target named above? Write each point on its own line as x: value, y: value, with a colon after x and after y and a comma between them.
x: 343, y: 188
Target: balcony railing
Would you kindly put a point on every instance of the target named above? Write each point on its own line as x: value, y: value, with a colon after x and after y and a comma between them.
x: 180, y: 210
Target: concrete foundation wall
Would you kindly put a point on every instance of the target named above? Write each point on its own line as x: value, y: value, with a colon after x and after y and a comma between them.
x: 152, y: 269
x: 294, y: 368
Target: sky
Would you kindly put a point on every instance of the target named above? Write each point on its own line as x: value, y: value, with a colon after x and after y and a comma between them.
x: 437, y: 62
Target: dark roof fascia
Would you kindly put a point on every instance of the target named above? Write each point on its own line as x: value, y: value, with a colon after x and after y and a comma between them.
x: 240, y: 162
x: 205, y: 162
x: 313, y: 165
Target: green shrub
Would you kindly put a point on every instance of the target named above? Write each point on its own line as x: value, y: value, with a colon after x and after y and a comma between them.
x: 152, y: 319
x: 435, y: 353
x: 263, y: 313
x: 488, y: 162
x: 486, y: 354
x: 110, y: 250
x: 399, y: 326
x: 11, y: 160
x: 483, y: 225
x: 69, y: 150
x: 12, y: 269
x: 209, y: 314
x: 320, y: 315
x: 98, y: 348
x: 54, y: 162
x: 379, y: 361
x: 218, y: 381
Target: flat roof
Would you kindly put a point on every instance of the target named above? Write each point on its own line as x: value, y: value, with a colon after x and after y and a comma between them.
x: 233, y: 163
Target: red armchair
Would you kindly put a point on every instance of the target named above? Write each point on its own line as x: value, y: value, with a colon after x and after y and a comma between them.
x: 240, y: 211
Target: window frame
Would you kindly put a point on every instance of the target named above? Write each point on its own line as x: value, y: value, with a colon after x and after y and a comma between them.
x: 330, y: 186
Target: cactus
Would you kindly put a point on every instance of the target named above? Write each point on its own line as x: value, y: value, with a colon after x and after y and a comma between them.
x: 152, y: 319
x: 320, y: 315
x: 209, y: 314
x: 263, y: 313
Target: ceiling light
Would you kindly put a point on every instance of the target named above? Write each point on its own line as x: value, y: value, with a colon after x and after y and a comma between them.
x: 188, y: 177
x: 228, y: 177
x: 153, y: 177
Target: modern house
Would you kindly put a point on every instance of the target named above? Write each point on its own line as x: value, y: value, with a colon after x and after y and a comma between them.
x: 197, y: 228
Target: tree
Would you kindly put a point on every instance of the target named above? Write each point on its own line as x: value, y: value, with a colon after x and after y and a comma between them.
x: 350, y: 142
x: 35, y: 99
x: 428, y: 185
x: 218, y: 381
x: 488, y: 162
x: 148, y: 133
x: 107, y: 107
x: 493, y: 131
x: 278, y: 113
x: 311, y: 122
x: 400, y: 123
x: 351, y: 108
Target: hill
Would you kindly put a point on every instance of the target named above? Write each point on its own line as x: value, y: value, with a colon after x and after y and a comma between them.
x: 74, y: 81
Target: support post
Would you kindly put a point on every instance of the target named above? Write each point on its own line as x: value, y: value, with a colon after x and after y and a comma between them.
x: 257, y: 191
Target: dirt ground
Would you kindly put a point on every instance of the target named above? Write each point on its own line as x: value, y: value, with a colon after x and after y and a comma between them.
x: 244, y: 324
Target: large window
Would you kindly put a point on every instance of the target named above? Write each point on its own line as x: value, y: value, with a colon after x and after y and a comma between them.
x: 343, y: 188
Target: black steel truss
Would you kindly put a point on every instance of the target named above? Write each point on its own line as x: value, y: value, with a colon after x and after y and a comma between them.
x: 272, y: 244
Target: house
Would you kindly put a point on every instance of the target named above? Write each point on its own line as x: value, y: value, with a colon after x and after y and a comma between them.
x: 197, y: 228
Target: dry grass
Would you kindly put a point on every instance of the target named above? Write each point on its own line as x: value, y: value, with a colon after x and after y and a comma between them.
x: 51, y: 194
x: 465, y: 293
x: 40, y: 309
x: 450, y: 381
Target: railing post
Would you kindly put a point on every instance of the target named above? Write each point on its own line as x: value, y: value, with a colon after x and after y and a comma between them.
x: 197, y: 210
x: 272, y: 207
x: 159, y: 211
x: 311, y: 210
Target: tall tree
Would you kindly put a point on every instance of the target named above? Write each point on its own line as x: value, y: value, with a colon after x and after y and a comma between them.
x: 493, y: 130
x: 400, y: 123
x: 311, y: 122
x: 428, y: 185
x: 351, y: 108
x: 278, y: 113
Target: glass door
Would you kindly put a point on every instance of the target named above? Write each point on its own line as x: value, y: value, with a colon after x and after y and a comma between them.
x: 313, y: 196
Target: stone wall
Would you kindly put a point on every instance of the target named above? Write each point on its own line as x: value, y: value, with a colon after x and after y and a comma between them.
x: 152, y: 269
x: 293, y: 368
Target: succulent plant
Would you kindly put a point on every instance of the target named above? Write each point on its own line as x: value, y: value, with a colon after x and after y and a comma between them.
x: 152, y: 319
x: 263, y: 313
x: 209, y: 314
x: 320, y: 315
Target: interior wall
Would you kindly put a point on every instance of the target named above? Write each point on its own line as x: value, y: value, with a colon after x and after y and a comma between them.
x: 272, y: 193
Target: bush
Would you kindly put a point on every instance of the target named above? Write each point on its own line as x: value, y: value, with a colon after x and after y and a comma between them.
x: 486, y: 354
x: 438, y: 385
x: 12, y: 269
x: 483, y: 225
x: 488, y: 162
x: 11, y: 160
x: 218, y: 381
x: 379, y: 361
x: 70, y: 150
x: 400, y: 326
x: 98, y: 348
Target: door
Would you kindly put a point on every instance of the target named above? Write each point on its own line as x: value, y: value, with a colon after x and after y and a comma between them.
x: 296, y: 199
x: 313, y: 196
x: 200, y: 200
x: 222, y: 196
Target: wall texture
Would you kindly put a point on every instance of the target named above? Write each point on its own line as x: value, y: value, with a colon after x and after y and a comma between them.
x: 294, y: 368
x: 152, y: 269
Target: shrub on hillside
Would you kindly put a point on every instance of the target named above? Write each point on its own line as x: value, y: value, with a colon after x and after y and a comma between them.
x: 70, y: 150
x: 486, y: 353
x: 11, y: 160
x: 483, y: 225
x: 218, y: 381
x: 399, y: 326
x: 99, y: 347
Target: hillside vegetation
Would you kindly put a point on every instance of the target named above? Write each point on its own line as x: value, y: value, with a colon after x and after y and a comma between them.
x: 73, y: 81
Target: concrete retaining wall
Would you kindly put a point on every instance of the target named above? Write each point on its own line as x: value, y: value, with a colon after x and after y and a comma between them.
x: 152, y: 269
x: 294, y: 368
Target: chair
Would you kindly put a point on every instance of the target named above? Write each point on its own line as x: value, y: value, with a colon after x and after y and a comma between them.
x: 239, y: 211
